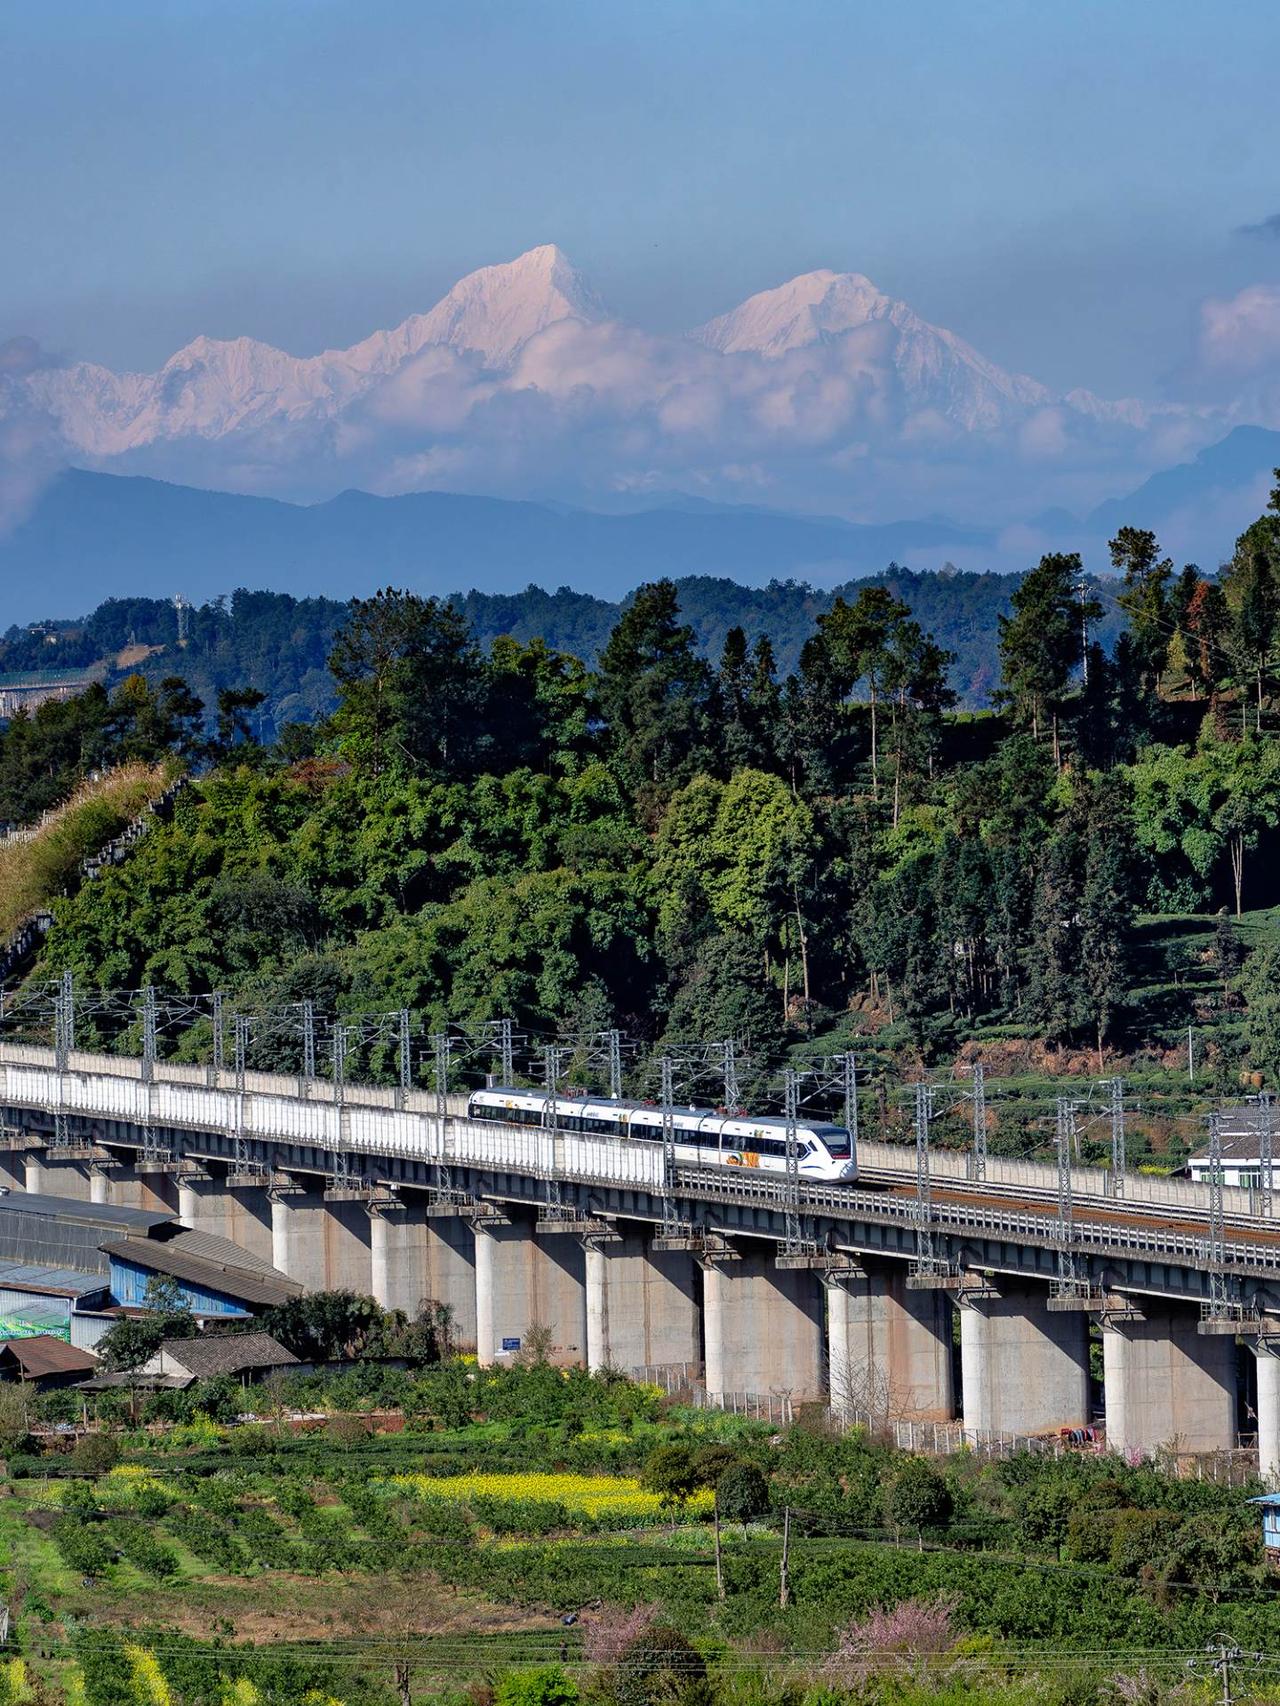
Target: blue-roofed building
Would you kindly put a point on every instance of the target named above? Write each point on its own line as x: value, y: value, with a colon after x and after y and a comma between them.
x: 215, y: 1276
x: 1269, y: 1504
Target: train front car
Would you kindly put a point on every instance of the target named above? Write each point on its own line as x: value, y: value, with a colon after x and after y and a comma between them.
x: 826, y: 1151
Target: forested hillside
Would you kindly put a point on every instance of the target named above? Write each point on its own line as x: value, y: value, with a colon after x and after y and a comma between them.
x: 280, y: 644
x: 697, y: 849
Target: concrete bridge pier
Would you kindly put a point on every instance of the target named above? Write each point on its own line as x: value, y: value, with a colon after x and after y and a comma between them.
x: 1267, y: 1354
x: 418, y: 1259
x: 243, y: 1215
x: 642, y: 1305
x: 763, y: 1328
x: 59, y: 1178
x: 131, y: 1186
x: 322, y: 1245
x: 889, y: 1349
x: 523, y: 1282
x: 13, y: 1169
x: 1023, y: 1368
x: 1165, y: 1382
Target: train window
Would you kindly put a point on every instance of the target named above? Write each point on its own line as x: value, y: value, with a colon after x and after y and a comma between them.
x: 837, y: 1143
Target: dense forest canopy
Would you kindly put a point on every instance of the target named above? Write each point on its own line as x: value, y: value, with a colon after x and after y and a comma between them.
x: 281, y: 644
x: 700, y: 847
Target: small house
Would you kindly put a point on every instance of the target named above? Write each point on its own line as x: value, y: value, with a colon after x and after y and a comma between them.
x: 207, y: 1356
x: 44, y: 1362
x: 1269, y: 1504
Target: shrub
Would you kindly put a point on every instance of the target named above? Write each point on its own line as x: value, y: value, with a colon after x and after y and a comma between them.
x: 891, y: 1640
x: 543, y: 1685
x: 659, y: 1663
x: 610, y: 1631
x: 95, y: 1455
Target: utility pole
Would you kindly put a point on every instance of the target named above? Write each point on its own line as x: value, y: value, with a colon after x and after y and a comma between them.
x: 1068, y: 1275
x: 508, y: 1053
x: 339, y: 1062
x: 1218, y: 1302
x: 1082, y: 587
x: 218, y: 1038
x: 791, y: 1092
x: 670, y: 1217
x: 924, y: 1189
x: 732, y: 1095
x: 1191, y: 1055
x: 613, y: 1042
x: 405, y: 1060
x: 64, y: 1023
x: 849, y: 1062
x: 148, y: 1033
x: 1221, y: 1657
x: 441, y: 1043
x: 308, y: 1045
x: 979, y: 1121
x: 1266, y: 1147
x: 1117, y: 1137
x: 784, y: 1580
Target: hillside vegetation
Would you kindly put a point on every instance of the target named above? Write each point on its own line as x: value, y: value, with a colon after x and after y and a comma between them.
x: 692, y: 850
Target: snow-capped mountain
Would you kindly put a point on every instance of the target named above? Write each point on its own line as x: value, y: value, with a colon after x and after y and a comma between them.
x: 823, y: 393
x: 491, y: 313
x: 215, y: 387
x: 936, y: 369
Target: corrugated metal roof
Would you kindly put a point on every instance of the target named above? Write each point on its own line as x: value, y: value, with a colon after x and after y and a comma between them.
x: 63, y: 1282
x: 230, y: 1277
x: 73, y: 1210
x: 212, y: 1247
x: 46, y: 1355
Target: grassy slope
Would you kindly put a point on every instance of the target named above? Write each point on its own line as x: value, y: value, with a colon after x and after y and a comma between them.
x: 33, y: 872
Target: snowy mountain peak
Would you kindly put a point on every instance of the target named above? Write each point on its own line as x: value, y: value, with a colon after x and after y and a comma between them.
x: 492, y: 312
x: 805, y: 310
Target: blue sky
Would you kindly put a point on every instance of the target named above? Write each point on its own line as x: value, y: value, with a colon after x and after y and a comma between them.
x: 1061, y: 184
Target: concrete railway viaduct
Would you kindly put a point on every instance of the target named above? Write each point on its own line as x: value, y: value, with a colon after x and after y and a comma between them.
x: 766, y: 1283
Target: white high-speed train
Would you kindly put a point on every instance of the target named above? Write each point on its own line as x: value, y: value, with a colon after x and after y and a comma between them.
x: 703, y: 1136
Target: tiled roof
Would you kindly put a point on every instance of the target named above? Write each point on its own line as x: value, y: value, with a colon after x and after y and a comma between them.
x: 209, y: 1354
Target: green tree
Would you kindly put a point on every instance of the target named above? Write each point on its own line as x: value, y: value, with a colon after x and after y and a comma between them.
x: 1145, y: 600
x: 660, y: 1665
x: 656, y: 694
x: 1041, y: 641
x: 1255, y: 626
x: 1259, y: 984
x: 15, y: 1417
x: 411, y: 687
x: 135, y: 1339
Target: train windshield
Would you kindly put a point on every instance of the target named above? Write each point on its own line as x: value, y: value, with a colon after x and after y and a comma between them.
x: 836, y: 1139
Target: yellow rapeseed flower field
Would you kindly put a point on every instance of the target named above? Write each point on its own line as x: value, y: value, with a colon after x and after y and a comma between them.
x: 586, y: 1495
